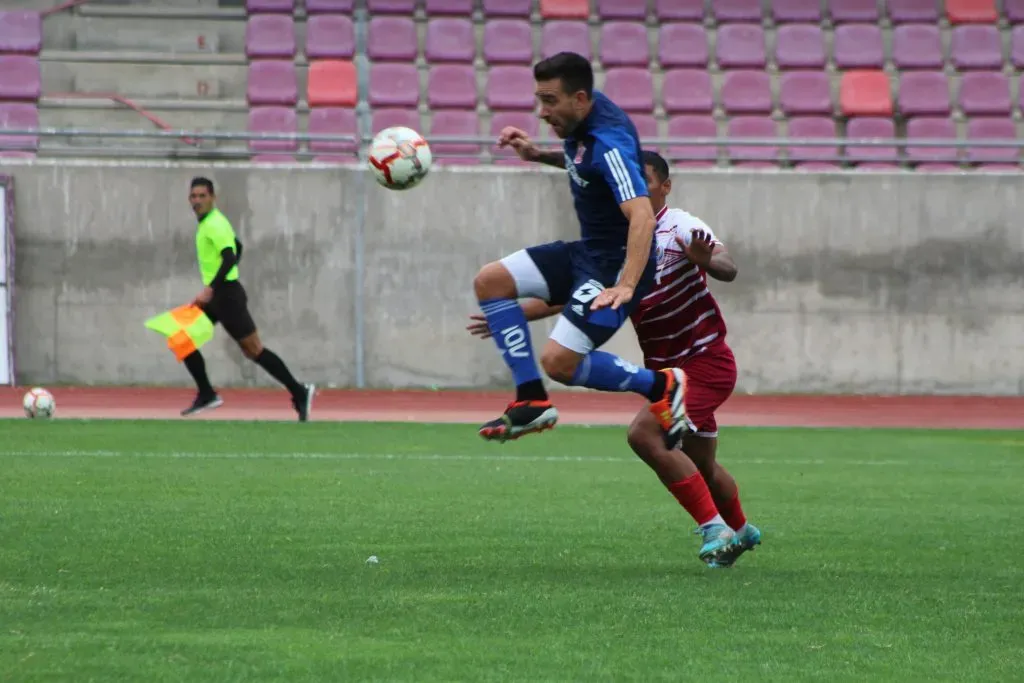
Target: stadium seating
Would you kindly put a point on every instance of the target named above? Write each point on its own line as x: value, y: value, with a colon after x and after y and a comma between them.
x: 849, y: 69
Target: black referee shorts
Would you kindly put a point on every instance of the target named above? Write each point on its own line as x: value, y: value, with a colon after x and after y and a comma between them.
x: 230, y: 308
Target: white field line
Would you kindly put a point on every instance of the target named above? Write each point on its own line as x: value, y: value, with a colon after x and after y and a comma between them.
x: 489, y: 458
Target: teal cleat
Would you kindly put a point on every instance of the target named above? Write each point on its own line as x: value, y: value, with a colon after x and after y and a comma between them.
x: 742, y: 542
x: 718, y: 539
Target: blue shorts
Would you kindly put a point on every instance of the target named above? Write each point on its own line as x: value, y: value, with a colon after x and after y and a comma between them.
x: 566, y: 273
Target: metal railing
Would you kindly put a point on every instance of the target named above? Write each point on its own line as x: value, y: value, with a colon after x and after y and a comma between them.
x: 191, y: 144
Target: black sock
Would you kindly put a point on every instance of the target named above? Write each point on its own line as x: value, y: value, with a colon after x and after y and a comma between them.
x: 196, y: 367
x: 658, y: 388
x: 273, y: 364
x: 531, y: 391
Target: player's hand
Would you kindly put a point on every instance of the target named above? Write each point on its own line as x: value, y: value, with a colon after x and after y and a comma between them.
x: 698, y: 248
x: 518, y: 140
x: 478, y: 328
x: 613, y: 297
x: 204, y: 297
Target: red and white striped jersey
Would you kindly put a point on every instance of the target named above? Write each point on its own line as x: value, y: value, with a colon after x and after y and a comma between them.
x: 679, y: 318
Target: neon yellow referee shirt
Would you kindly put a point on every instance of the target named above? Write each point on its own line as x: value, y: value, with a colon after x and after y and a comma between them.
x: 213, y: 235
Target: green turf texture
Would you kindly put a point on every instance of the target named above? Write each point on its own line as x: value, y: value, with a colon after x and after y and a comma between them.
x: 210, y: 551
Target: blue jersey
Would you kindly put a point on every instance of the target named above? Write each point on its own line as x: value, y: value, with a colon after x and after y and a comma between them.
x: 604, y: 161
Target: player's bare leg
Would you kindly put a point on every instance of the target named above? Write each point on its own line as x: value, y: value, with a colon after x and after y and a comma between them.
x: 302, y: 394
x: 702, y: 450
x: 532, y: 410
x: 681, y: 477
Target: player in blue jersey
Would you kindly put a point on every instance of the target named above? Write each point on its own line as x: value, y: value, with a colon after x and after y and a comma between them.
x: 598, y: 278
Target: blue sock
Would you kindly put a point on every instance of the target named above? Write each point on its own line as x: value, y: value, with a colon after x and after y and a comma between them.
x: 511, y: 332
x: 607, y: 372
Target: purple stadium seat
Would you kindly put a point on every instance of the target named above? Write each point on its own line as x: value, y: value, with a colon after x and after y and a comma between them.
x: 21, y: 33
x: 736, y: 10
x: 270, y: 82
x: 270, y: 6
x: 520, y: 119
x: 924, y: 93
x: 870, y: 128
x: 624, y: 44
x: 394, y: 85
x: 18, y: 115
x: 452, y: 86
x: 931, y: 128
x: 272, y: 120
x: 993, y: 129
x: 858, y: 46
x: 795, y: 11
x: 332, y: 121
x: 682, y: 45
x: 572, y: 36
x: 752, y: 127
x: 679, y: 10
x: 746, y: 92
x: 799, y: 46
x: 450, y: 40
x: 853, y: 11
x: 740, y: 46
x: 508, y: 41
x: 621, y: 9
x: 510, y: 87
x: 687, y: 91
x: 329, y: 36
x: 508, y: 8
x: 391, y: 6
x: 1017, y: 47
x: 810, y: 128
x: 20, y: 78
x: 912, y: 11
x: 805, y: 92
x: 917, y: 46
x: 270, y: 36
x: 985, y: 94
x: 632, y: 88
x: 329, y: 6
x: 455, y: 123
x: 388, y: 118
x: 391, y: 39
x: 459, y: 8
x: 693, y: 127
x: 646, y: 126
x: 976, y: 46
x: 1014, y: 10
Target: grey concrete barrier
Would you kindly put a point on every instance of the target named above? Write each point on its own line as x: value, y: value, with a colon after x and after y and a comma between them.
x: 849, y: 283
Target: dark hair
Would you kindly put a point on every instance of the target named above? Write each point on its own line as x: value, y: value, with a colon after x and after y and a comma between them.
x: 658, y: 163
x: 572, y: 69
x: 200, y: 181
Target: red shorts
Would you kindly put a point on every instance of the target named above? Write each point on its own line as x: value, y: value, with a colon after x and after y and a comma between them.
x: 710, y: 379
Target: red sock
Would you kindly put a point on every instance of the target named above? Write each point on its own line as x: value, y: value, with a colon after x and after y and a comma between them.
x: 732, y: 512
x: 693, y: 494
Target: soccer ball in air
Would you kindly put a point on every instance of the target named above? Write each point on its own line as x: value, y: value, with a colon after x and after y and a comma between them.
x: 39, y: 402
x: 400, y: 158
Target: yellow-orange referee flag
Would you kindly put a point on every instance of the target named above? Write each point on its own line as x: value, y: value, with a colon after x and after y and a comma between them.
x: 186, y: 327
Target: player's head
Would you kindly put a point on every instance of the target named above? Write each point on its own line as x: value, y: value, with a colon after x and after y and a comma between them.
x: 201, y: 195
x: 565, y: 86
x: 658, y: 182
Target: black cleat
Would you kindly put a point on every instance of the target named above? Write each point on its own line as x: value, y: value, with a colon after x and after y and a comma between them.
x: 203, y: 403
x: 519, y: 419
x: 304, y: 403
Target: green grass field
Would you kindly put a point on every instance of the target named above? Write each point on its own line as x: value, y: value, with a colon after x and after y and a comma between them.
x: 208, y: 551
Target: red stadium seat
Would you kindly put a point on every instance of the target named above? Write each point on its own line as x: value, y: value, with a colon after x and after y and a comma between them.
x: 865, y: 93
x: 332, y: 83
x: 972, y: 11
x: 564, y: 9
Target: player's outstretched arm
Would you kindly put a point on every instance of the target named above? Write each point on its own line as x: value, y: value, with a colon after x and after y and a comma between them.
x: 703, y: 250
x: 517, y: 139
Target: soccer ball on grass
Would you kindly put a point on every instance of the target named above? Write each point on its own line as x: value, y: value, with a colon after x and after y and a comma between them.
x: 39, y: 402
x: 400, y: 158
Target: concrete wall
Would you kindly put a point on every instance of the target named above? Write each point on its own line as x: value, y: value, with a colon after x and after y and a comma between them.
x: 848, y: 283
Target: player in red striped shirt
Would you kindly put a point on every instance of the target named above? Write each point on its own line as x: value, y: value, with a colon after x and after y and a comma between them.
x: 679, y: 324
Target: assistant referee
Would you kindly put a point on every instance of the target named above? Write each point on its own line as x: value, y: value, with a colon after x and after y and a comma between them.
x: 223, y: 299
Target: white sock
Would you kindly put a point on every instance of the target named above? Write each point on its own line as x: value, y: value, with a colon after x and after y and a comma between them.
x: 716, y: 520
